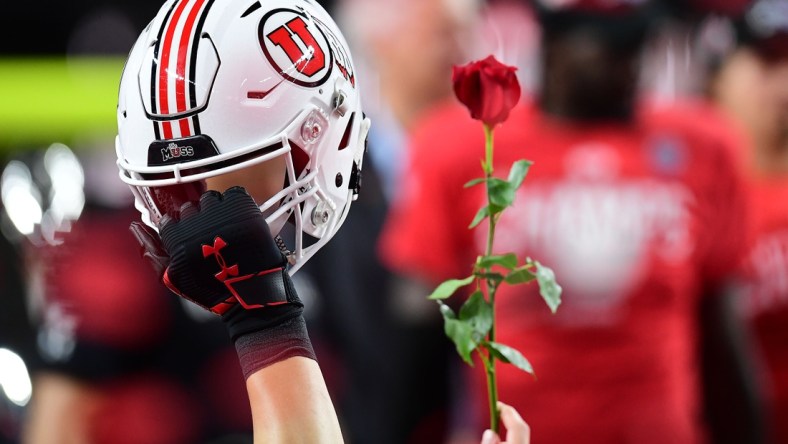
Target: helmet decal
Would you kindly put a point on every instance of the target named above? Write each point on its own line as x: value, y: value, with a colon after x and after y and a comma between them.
x: 341, y: 57
x: 167, y: 152
x: 175, y: 60
x: 296, y: 47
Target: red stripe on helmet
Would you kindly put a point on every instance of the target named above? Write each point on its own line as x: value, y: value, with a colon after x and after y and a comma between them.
x: 183, y: 51
x: 164, y: 63
x: 185, y: 127
x: 166, y: 130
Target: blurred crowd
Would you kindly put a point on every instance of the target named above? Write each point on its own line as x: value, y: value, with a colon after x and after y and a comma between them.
x: 658, y: 194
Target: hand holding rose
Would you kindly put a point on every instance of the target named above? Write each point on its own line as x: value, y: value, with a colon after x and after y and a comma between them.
x: 517, y: 430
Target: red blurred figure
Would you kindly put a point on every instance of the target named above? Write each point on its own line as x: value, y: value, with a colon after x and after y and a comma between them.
x: 640, y: 212
x: 122, y: 360
x: 752, y: 86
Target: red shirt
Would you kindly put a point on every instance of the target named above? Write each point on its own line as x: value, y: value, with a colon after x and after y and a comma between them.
x: 765, y: 296
x: 163, y: 377
x: 636, y: 220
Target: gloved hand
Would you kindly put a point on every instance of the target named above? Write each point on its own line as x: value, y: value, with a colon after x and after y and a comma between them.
x: 219, y: 254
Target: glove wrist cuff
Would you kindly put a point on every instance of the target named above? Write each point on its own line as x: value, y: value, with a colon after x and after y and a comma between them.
x: 262, y: 348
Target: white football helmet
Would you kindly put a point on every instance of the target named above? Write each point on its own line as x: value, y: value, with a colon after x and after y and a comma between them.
x: 214, y: 86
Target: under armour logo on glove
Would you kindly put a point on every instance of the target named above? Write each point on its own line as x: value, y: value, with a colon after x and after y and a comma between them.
x: 215, y: 250
x: 220, y: 254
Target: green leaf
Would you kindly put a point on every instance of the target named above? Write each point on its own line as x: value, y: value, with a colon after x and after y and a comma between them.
x: 509, y: 355
x: 518, y: 172
x: 501, y: 192
x: 508, y: 261
x: 479, y: 313
x: 475, y: 182
x: 448, y: 288
x: 462, y: 334
x: 496, y: 209
x: 548, y: 287
x: 491, y: 276
x: 520, y: 275
x: 483, y: 213
x: 446, y: 311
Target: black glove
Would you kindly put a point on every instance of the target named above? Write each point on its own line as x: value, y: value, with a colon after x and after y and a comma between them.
x: 219, y: 254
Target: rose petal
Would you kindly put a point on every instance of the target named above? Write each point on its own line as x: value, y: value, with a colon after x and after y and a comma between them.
x: 488, y: 88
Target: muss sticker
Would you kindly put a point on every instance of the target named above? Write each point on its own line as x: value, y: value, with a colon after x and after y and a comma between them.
x: 302, y: 48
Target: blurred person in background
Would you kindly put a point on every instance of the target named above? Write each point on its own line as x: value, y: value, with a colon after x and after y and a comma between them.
x: 751, y: 85
x: 109, y: 371
x: 121, y: 360
x: 680, y: 70
x: 639, y: 210
x: 389, y: 367
x: 112, y: 364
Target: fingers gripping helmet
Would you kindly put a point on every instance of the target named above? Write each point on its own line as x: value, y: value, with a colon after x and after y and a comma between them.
x: 215, y: 86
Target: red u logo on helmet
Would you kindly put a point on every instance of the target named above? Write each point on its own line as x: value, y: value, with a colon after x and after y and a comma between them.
x: 309, y: 60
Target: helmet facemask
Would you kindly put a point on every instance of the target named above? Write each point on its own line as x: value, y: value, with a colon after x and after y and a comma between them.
x: 299, y: 199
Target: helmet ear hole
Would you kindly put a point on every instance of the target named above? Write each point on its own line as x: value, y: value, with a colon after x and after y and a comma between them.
x: 345, y: 142
x: 300, y: 158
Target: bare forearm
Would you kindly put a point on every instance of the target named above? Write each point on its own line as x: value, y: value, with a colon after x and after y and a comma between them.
x: 290, y: 404
x: 60, y: 411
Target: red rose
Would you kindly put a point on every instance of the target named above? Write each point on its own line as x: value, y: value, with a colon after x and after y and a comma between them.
x: 488, y: 88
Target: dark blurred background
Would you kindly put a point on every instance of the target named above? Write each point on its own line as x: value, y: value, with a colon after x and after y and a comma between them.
x: 60, y: 63
x: 56, y: 28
